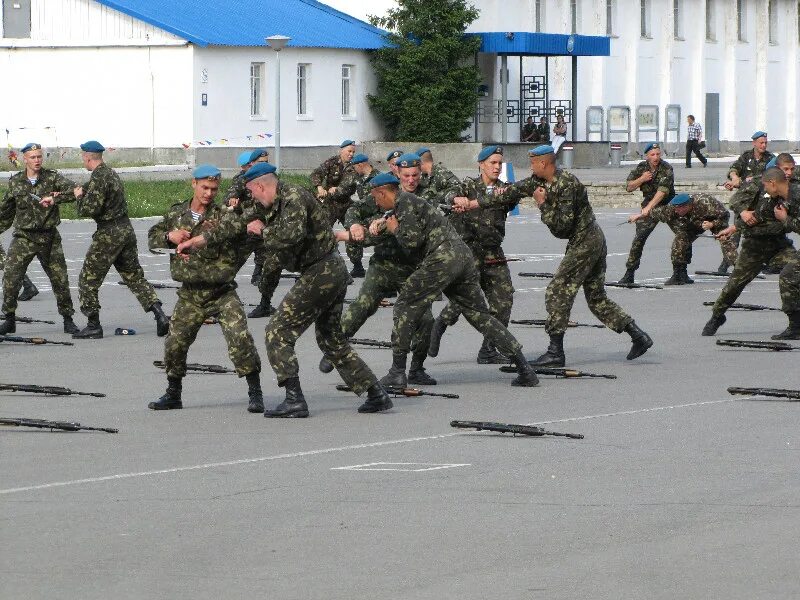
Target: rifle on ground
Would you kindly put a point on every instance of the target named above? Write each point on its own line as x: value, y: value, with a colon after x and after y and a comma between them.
x: 539, y: 275
x: 776, y: 346
x: 633, y: 286
x: 513, y: 429
x: 383, y: 303
x: 501, y: 261
x: 541, y: 323
x: 157, y: 285
x: 29, y: 320
x: 51, y: 390
x: 720, y: 274
x: 294, y: 276
x: 739, y: 306
x: 369, y: 342
x: 198, y: 367
x: 793, y: 395
x: 62, y: 425
x: 558, y: 372
x: 405, y: 391
x: 32, y: 340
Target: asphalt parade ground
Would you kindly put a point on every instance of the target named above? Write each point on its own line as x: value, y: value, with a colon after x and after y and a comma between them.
x: 678, y: 490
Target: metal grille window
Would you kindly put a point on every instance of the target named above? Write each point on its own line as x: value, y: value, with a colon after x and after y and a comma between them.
x: 711, y: 18
x: 644, y: 18
x: 347, y: 90
x: 303, y: 74
x: 741, y: 20
x: 256, y: 89
x: 772, y: 15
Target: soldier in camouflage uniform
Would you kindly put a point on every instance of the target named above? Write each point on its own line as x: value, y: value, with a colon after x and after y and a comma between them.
x: 689, y: 216
x: 391, y: 160
x: 443, y: 264
x: 437, y: 184
x: 208, y: 290
x: 655, y: 179
x: 114, y: 243
x: 483, y: 227
x: 566, y: 211
x: 764, y: 242
x: 750, y: 163
x: 29, y: 290
x: 294, y: 226
x: 32, y: 197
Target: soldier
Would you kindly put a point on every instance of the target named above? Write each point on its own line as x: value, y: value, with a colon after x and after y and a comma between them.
x: 654, y: 177
x: 437, y: 183
x: 391, y: 159
x: 32, y: 197
x: 326, y: 177
x: 483, y: 227
x: 790, y: 217
x: 764, y: 243
x: 542, y: 133
x: 689, y: 216
x: 7, y: 212
x: 566, y: 211
x: 208, y: 289
x: 114, y: 243
x: 295, y: 226
x: 443, y: 264
x: 750, y: 163
x: 529, y: 130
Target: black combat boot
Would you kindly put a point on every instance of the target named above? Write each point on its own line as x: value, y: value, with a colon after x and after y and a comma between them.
x: 437, y: 332
x: 171, y: 400
x: 488, y: 355
x: 628, y: 277
x: 162, y: 320
x: 294, y: 406
x: 325, y: 365
x: 9, y: 325
x: 684, y: 275
x: 714, y: 323
x: 264, y: 309
x: 377, y: 400
x: 396, y: 377
x: 723, y: 267
x: 679, y: 276
x: 255, y: 278
x: 526, y: 375
x: 416, y: 372
x: 28, y: 290
x: 792, y: 332
x: 92, y: 331
x: 641, y: 341
x: 256, y: 404
x: 69, y: 325
x: 554, y: 355
x: 358, y: 270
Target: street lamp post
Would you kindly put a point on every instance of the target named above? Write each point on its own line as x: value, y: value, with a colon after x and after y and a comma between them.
x: 277, y: 43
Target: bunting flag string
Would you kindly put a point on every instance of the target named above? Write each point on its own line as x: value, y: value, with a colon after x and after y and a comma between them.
x: 243, y: 141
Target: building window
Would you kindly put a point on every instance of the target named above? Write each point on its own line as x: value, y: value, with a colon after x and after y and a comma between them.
x: 644, y: 20
x: 539, y: 16
x: 16, y: 19
x: 573, y: 15
x: 741, y: 20
x: 711, y: 21
x: 256, y: 89
x: 303, y: 75
x: 772, y: 16
x: 677, y: 16
x: 611, y: 14
x: 347, y: 90
x: 798, y: 21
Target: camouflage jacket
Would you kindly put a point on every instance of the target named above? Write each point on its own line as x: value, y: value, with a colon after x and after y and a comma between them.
x: 103, y: 197
x: 484, y: 228
x: 239, y: 191
x: 330, y: 173
x: 440, y: 187
x: 20, y: 205
x: 213, y: 264
x: 704, y: 208
x: 747, y: 166
x: 386, y: 246
x: 663, y: 181
x: 744, y: 196
x: 422, y: 227
x: 352, y: 183
x: 766, y: 226
x: 793, y: 205
x: 297, y: 230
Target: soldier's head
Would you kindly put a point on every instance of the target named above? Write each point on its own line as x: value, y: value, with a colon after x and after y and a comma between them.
x: 258, y: 155
x: 32, y: 156
x: 391, y: 160
x: 652, y: 154
x: 262, y: 183
x: 775, y: 182
x: 346, y: 150
x: 205, y: 183
x: 361, y: 164
x: 243, y: 160
x: 682, y: 204
x: 543, y: 161
x: 385, y: 188
x: 490, y: 163
x: 408, y: 172
x: 690, y: 119
x: 425, y: 160
x: 92, y: 154
x: 785, y: 162
x: 759, y: 142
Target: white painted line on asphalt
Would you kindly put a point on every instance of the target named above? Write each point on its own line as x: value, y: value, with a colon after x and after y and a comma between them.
x: 402, y: 467
x: 244, y: 461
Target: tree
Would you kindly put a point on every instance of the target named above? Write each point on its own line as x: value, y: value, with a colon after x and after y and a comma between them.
x: 427, y: 78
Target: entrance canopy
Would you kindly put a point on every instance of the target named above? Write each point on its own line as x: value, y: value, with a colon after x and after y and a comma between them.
x: 513, y: 43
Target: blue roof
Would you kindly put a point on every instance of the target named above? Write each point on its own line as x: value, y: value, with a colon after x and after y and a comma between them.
x: 309, y: 23
x: 544, y: 44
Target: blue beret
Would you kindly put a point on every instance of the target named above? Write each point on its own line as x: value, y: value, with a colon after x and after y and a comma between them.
x: 206, y: 172
x: 383, y: 179
x: 244, y: 158
x: 680, y: 199
x: 258, y: 153
x: 359, y: 158
x: 542, y: 150
x: 92, y: 146
x: 488, y: 151
x: 773, y: 162
x: 407, y: 160
x: 423, y: 150
x: 651, y: 146
x: 31, y: 146
x: 393, y: 154
x: 258, y: 170
x: 758, y: 134
x: 346, y: 143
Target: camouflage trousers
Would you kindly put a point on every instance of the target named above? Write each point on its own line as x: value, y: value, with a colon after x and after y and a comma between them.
x: 384, y: 278
x: 270, y: 278
x: 113, y: 245
x: 449, y: 269
x: 644, y: 227
x: 2, y: 258
x: 194, y: 305
x: 583, y: 265
x: 318, y: 298
x: 754, y: 254
x: 681, y: 253
x: 46, y: 246
x: 336, y: 212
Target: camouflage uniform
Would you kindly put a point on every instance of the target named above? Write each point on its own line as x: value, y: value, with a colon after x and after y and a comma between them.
x: 330, y: 173
x: 208, y: 290
x: 440, y: 187
x: 35, y: 235
x: 114, y: 242
x: 297, y: 231
x: 688, y: 228
x: 747, y: 166
x: 568, y: 215
x: 339, y: 202
x: 663, y: 181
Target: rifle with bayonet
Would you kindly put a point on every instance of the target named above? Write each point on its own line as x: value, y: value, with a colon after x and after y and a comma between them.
x: 793, y: 395
x: 740, y: 306
x: 197, y: 367
x: 50, y: 390
x: 29, y: 320
x: 404, y: 391
x: 559, y: 372
x: 633, y: 286
x: 720, y: 274
x: 32, y: 340
x: 62, y: 425
x: 156, y: 285
x: 501, y: 261
x: 541, y: 323
x: 538, y: 275
x: 294, y: 276
x: 369, y: 342
x: 776, y: 346
x: 513, y: 429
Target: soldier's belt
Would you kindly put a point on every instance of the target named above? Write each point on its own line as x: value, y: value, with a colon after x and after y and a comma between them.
x: 112, y: 222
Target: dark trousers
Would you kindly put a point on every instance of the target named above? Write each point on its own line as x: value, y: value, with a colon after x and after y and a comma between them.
x: 694, y: 146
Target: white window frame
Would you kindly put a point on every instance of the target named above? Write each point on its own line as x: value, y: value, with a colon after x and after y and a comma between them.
x: 645, y: 14
x: 257, y: 90
x: 611, y: 18
x: 304, y: 112
x: 741, y: 21
x: 348, y: 109
x: 711, y: 21
x: 678, y: 20
x: 772, y: 22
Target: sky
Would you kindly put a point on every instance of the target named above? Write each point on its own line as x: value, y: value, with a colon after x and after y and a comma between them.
x: 361, y: 8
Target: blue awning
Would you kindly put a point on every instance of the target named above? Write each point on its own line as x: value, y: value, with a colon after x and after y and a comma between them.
x: 543, y: 44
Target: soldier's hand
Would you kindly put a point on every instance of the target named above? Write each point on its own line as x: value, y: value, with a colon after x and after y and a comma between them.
x: 342, y: 235
x: 176, y: 236
x: 78, y: 191
x: 634, y: 218
x: 726, y: 233
x: 255, y: 227
x: 332, y: 190
x: 540, y: 195
x: 321, y: 192
x: 749, y: 217
x: 183, y: 249
x: 357, y: 232
x: 47, y: 201
x: 392, y: 224
x: 645, y: 212
x: 647, y: 176
x: 233, y: 202
x: 377, y: 226
x: 460, y: 203
x: 781, y: 213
